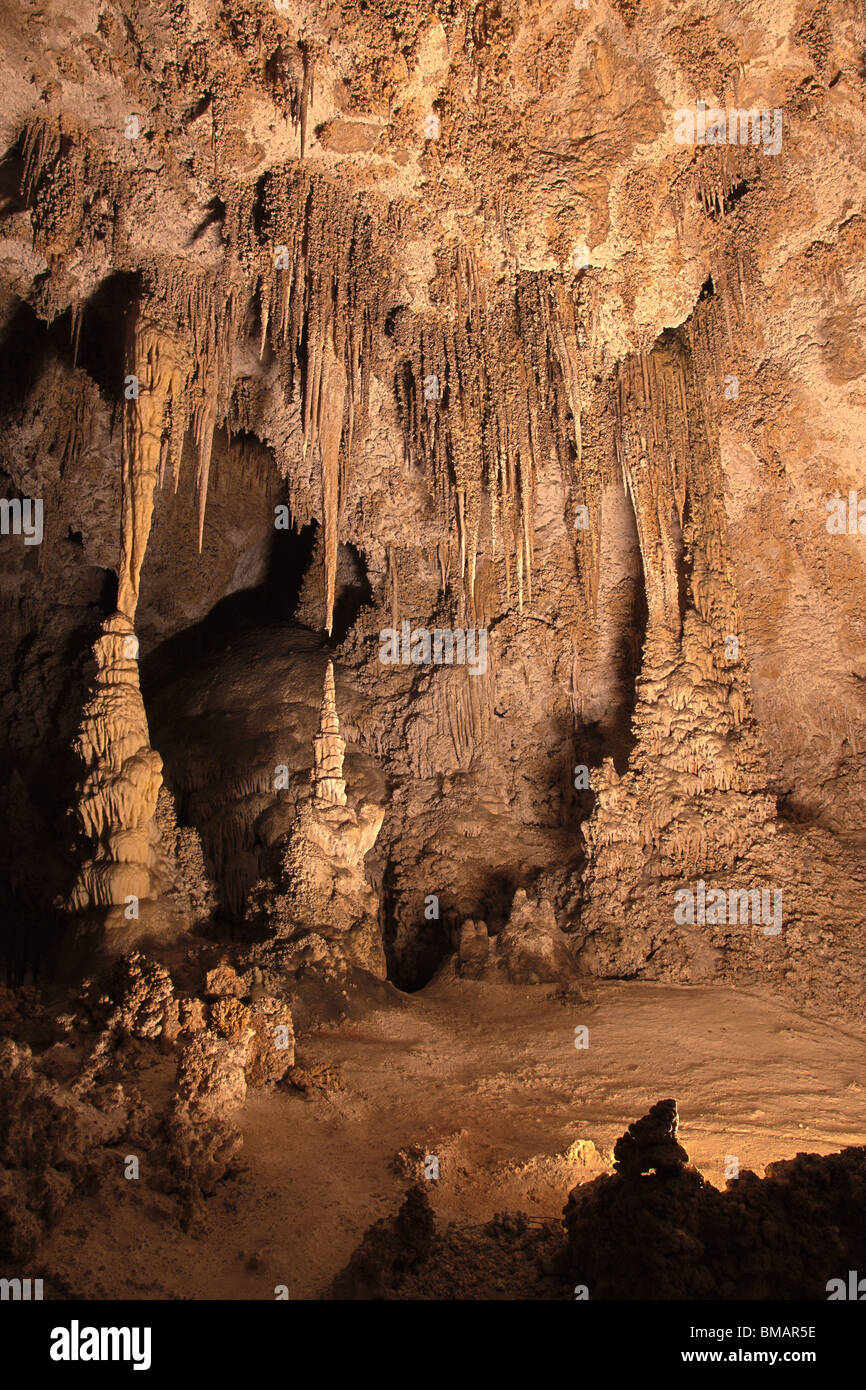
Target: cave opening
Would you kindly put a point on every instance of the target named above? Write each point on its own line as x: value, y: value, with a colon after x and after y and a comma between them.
x: 274, y: 600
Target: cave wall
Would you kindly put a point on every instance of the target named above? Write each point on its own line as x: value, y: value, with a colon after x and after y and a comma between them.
x: 436, y: 277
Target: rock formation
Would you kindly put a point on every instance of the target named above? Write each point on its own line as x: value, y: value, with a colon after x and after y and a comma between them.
x: 329, y: 789
x: 325, y: 909
x: 650, y: 1144
x: 118, y: 795
x: 117, y: 798
x: 530, y: 949
x: 671, y: 1234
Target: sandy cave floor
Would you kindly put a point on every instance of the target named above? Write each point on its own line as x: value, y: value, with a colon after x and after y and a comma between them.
x: 487, y: 1077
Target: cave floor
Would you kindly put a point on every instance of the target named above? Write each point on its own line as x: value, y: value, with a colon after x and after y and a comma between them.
x: 487, y: 1078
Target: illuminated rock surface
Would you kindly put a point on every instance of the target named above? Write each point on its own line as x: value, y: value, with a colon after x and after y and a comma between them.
x: 445, y: 612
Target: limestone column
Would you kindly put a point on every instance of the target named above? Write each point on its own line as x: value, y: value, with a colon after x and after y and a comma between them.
x: 122, y: 774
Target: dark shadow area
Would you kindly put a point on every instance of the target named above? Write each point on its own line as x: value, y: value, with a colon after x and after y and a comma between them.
x: 414, y: 954
x: 102, y: 332
x: 354, y: 592
x: 11, y: 175
x: 274, y: 601
x: 215, y: 212
x: 684, y: 561
x: 27, y: 344
x: 235, y: 622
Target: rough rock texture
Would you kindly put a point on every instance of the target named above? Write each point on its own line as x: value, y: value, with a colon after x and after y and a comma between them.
x: 650, y: 1144
x: 264, y: 1029
x: 432, y: 545
x: 203, y: 1137
x: 530, y: 949
x: 118, y: 795
x: 445, y: 287
x: 666, y: 1235
x: 189, y: 885
x: 50, y: 1143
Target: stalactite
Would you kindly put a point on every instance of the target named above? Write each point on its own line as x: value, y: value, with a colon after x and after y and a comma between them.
x: 323, y: 279
x: 160, y: 367
x: 507, y: 370
x: 306, y: 94
x: 40, y: 147
x: 332, y: 387
x: 201, y: 310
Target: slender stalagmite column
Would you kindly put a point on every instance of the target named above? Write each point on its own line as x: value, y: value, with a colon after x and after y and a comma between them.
x: 329, y: 746
x: 326, y: 909
x: 122, y: 773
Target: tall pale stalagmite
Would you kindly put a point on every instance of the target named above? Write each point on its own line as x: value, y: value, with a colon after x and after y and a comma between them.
x: 123, y: 774
x: 329, y: 746
x: 325, y: 907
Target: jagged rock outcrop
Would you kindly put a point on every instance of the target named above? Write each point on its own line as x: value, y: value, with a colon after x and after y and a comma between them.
x: 190, y: 887
x: 669, y: 1234
x: 203, y: 1136
x: 650, y: 1144
x: 390, y: 1251
x: 51, y: 1150
x: 265, y: 1030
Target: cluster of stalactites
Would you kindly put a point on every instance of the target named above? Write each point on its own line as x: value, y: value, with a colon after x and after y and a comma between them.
x: 323, y: 287
x: 200, y: 311
x: 667, y: 462
x: 197, y: 308
x: 490, y: 394
x: 669, y: 405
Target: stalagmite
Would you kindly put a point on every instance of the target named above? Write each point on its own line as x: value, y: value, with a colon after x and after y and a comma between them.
x: 694, y: 796
x: 328, y: 785
x: 325, y: 906
x: 122, y: 777
x: 122, y: 773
